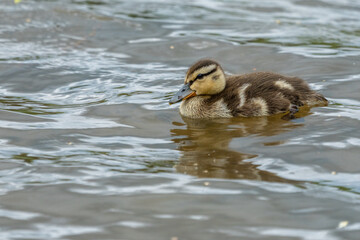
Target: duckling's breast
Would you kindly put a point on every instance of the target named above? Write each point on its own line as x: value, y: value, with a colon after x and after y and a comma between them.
x: 198, y: 107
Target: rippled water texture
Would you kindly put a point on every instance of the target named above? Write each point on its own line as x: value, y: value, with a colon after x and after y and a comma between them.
x: 90, y: 148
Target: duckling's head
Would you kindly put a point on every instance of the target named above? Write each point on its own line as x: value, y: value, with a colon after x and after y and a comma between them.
x: 205, y: 77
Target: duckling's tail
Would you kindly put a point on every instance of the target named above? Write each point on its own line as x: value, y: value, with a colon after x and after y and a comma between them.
x: 316, y: 100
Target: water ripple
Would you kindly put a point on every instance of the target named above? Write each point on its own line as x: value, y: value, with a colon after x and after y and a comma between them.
x: 48, y: 231
x: 17, y: 215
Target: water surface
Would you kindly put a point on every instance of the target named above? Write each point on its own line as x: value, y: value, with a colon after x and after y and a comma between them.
x: 90, y: 148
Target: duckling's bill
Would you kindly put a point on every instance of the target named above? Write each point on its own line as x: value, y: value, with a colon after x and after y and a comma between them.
x: 184, y: 93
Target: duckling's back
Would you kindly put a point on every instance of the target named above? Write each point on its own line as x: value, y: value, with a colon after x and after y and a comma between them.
x: 266, y: 93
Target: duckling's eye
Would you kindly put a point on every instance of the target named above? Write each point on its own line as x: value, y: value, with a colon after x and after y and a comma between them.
x: 200, y: 76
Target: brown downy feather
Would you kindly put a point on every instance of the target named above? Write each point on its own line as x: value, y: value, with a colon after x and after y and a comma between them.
x: 262, y: 85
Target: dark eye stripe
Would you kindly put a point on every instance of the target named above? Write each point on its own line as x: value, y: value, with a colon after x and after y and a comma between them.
x: 201, y: 75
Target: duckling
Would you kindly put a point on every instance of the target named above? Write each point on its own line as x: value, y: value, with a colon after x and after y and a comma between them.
x: 209, y: 93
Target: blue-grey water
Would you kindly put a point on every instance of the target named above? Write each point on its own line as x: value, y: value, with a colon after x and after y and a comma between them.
x: 91, y: 149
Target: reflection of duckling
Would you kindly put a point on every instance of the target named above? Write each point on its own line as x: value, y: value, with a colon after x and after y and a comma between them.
x: 206, y: 151
x: 209, y: 93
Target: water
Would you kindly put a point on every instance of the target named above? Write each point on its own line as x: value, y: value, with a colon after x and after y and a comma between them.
x: 90, y: 148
